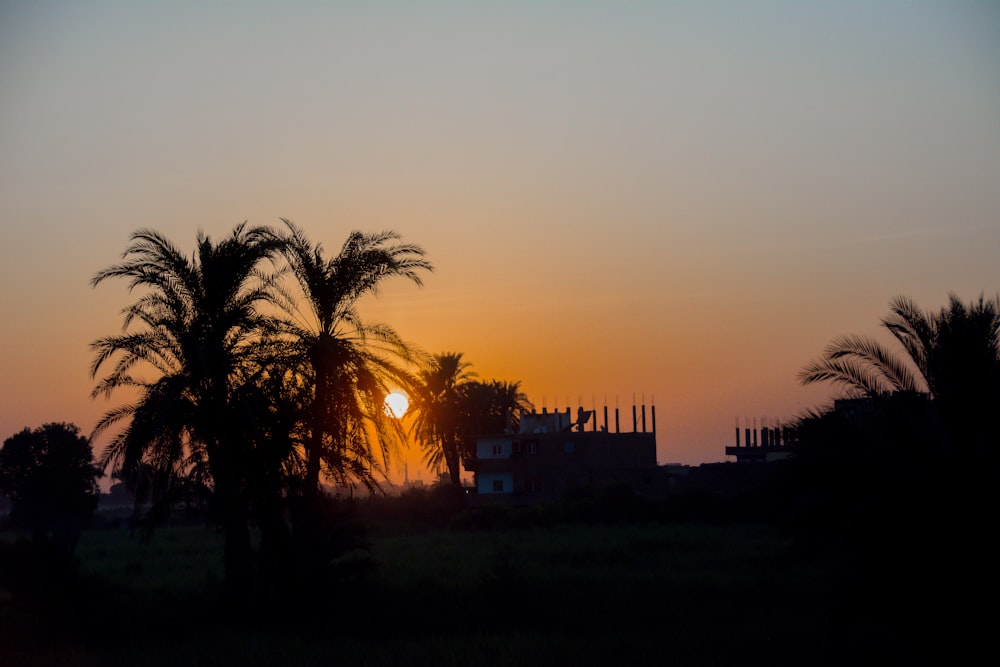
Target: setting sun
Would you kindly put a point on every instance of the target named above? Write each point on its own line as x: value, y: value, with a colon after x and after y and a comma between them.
x: 396, y: 403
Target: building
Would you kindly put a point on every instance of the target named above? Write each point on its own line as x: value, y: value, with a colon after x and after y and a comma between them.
x: 551, y: 453
x: 775, y: 443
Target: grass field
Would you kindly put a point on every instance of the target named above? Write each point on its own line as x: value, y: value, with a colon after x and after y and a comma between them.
x: 574, y: 594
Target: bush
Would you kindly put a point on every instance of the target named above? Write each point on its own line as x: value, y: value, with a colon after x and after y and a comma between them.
x: 49, y: 475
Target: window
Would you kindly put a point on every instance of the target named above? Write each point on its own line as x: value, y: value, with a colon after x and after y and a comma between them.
x: 531, y: 446
x: 497, y: 486
x: 533, y: 485
x: 497, y: 450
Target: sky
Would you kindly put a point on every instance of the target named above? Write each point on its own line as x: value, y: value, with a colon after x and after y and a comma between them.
x: 675, y: 204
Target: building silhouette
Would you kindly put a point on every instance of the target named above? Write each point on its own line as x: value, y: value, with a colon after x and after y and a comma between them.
x: 769, y: 443
x: 551, y: 453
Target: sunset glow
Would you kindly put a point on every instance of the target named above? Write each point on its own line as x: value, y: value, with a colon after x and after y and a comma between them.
x: 396, y: 403
x: 621, y: 200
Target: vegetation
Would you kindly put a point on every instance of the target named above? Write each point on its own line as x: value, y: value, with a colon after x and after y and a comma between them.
x: 897, y: 480
x: 244, y: 389
x: 253, y: 379
x: 566, y: 592
x: 346, y: 365
x: 48, y: 474
x: 256, y: 380
x: 951, y: 356
x: 204, y: 339
x: 452, y: 407
x: 436, y: 404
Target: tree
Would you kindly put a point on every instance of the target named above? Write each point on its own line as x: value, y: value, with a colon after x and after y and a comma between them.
x: 350, y: 364
x: 945, y: 352
x: 452, y: 407
x: 201, y: 337
x: 951, y: 356
x: 50, y: 477
x: 491, y: 406
x: 900, y: 478
x: 865, y: 367
x: 437, y: 407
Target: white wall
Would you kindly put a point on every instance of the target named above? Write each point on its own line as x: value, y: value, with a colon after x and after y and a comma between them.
x: 484, y: 482
x: 494, y: 448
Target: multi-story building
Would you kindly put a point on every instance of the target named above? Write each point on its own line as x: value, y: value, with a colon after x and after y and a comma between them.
x: 551, y: 453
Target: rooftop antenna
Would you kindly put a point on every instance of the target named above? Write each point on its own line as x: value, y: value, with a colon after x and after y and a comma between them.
x: 617, y: 424
x: 635, y: 423
x: 644, y: 412
x: 652, y: 409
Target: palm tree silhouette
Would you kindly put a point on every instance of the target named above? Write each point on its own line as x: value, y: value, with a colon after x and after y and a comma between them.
x: 951, y: 356
x: 199, y: 340
x: 451, y: 407
x: 864, y: 367
x: 436, y: 403
x: 902, y: 483
x: 350, y: 364
x: 492, y: 406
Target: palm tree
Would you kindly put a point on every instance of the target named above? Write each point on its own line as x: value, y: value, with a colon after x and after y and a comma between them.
x: 491, y: 406
x: 963, y: 372
x: 917, y: 484
x: 957, y: 340
x: 199, y: 340
x: 865, y: 367
x: 952, y: 357
x: 436, y: 403
x: 351, y: 364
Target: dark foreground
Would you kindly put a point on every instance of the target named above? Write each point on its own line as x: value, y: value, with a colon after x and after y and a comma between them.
x: 650, y: 592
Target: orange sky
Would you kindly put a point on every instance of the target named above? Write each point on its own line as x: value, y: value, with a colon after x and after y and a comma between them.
x: 670, y: 200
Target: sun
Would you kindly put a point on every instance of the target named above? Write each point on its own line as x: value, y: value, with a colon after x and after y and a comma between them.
x: 396, y: 403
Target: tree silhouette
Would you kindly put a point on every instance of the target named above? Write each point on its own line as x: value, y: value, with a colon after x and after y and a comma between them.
x: 945, y: 352
x: 865, y: 367
x: 200, y: 337
x: 436, y: 403
x: 491, y: 406
x: 349, y: 364
x: 451, y: 407
x: 952, y: 356
x: 899, y: 479
x: 50, y: 477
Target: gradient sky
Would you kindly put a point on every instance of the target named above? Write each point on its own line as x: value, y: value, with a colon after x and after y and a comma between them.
x: 674, y: 200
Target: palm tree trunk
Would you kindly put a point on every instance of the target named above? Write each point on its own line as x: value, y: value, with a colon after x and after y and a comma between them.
x: 320, y: 411
x: 313, y: 464
x: 237, y: 551
x: 276, y: 559
x: 314, y: 447
x: 451, y: 459
x: 238, y: 555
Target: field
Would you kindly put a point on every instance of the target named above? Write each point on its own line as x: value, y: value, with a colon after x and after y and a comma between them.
x: 575, y: 594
